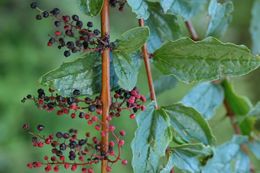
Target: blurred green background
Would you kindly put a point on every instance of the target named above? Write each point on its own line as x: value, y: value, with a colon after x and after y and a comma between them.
x: 24, y: 57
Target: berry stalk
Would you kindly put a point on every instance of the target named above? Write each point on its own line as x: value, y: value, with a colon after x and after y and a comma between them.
x: 105, y: 95
x: 148, y: 69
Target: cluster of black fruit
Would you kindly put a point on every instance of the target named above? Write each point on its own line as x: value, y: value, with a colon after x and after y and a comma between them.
x: 71, y: 34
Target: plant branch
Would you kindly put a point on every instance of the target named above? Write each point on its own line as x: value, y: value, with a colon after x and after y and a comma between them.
x: 105, y: 94
x: 192, y: 31
x: 148, y: 70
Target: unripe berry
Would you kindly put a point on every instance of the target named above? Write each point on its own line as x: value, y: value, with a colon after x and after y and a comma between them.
x: 124, y: 162
x: 122, y: 133
x: 132, y: 116
x: 121, y: 143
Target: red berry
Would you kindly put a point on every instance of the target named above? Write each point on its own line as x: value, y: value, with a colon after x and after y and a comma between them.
x: 56, y: 168
x: 73, y: 115
x: 30, y: 165
x: 121, y: 143
x: 94, y: 118
x: 97, y: 127
x: 87, y: 116
x: 45, y: 158
x: 66, y: 166
x: 90, y: 170
x: 112, y: 128
x: 132, y: 116
x: 49, y: 44
x: 74, y: 167
x: 111, y: 143
x: 122, y: 133
x: 124, y: 162
x: 57, y: 33
x: 109, y: 169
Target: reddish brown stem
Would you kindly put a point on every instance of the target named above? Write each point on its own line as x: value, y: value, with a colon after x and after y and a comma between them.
x: 192, y: 31
x: 148, y: 69
x: 105, y: 94
x: 237, y: 130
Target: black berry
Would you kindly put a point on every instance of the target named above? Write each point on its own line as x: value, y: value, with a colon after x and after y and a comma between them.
x: 34, y: 5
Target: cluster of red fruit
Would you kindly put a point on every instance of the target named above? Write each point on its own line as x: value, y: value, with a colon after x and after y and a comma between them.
x: 67, y: 148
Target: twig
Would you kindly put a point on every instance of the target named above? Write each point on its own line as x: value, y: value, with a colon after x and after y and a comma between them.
x: 105, y: 94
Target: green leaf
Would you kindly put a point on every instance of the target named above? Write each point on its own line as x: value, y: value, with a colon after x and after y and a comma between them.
x: 255, y: 148
x: 164, y: 83
x: 220, y: 17
x: 140, y: 8
x: 240, y: 105
x: 151, y: 140
x: 255, y: 27
x: 126, y: 68
x: 208, y: 59
x: 91, y: 7
x: 184, y: 8
x: 186, y: 157
x: 189, y: 124
x: 162, y: 26
x: 205, y: 98
x: 224, y: 155
x: 83, y: 74
x: 132, y: 40
x: 242, y: 163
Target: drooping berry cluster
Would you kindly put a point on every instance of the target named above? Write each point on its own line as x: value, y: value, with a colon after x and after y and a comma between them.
x: 71, y: 34
x: 85, y: 107
x: 88, y: 151
x: 71, y: 152
x: 118, y: 3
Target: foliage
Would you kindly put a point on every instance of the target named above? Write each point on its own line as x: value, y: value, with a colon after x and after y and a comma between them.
x: 178, y: 134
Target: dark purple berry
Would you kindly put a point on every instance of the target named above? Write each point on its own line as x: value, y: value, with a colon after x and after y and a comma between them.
x: 34, y: 5
x: 92, y: 108
x: 75, y: 17
x: 59, y: 135
x: 79, y: 24
x: 63, y: 146
x: 38, y: 17
x: 67, y: 53
x: 40, y: 127
x: 45, y: 14
x: 96, y: 32
x: 90, y: 24
x: 55, y: 11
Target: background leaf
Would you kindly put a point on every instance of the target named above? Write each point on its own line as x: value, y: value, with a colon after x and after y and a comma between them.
x: 140, y: 8
x: 224, y: 155
x: 205, y: 98
x: 162, y: 27
x: 132, y: 40
x: 126, y: 68
x: 220, y: 17
x: 151, y: 140
x: 164, y: 83
x: 184, y: 8
x: 254, y: 147
x: 255, y: 27
x: 208, y: 59
x: 91, y: 7
x: 189, y: 124
x: 83, y: 74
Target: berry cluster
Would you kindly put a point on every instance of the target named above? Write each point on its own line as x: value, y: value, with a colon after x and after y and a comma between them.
x: 71, y: 152
x: 87, y: 107
x: 119, y: 3
x: 88, y: 151
x: 70, y: 33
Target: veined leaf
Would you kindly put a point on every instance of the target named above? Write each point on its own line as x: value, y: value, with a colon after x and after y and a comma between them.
x: 151, y: 140
x: 224, y: 155
x: 205, y: 98
x: 162, y: 26
x: 126, y: 68
x: 189, y: 124
x: 187, y: 157
x: 83, y: 74
x: 220, y: 17
x: 255, y: 27
x: 132, y: 40
x: 140, y: 8
x: 91, y: 7
x: 184, y: 8
x: 208, y: 59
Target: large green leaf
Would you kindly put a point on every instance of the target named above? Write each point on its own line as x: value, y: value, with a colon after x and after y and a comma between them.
x: 132, y: 40
x: 184, y: 8
x: 205, y: 98
x: 162, y: 26
x: 126, y: 68
x: 208, y: 59
x: 187, y: 157
x: 224, y: 155
x: 91, y: 7
x: 140, y: 8
x: 83, y: 74
x: 255, y: 27
x: 189, y: 124
x: 220, y: 17
x: 151, y: 140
